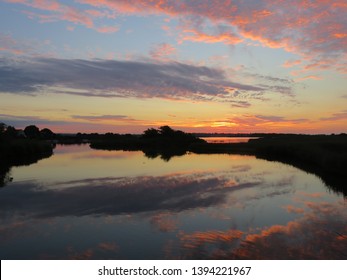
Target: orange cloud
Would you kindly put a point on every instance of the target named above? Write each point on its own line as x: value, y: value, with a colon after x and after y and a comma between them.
x: 310, y: 77
x: 340, y: 35
x: 318, y: 234
x: 292, y: 209
x: 197, y: 36
x: 248, y: 123
x: 291, y: 63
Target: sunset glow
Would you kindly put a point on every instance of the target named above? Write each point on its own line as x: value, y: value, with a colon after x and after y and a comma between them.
x: 200, y: 66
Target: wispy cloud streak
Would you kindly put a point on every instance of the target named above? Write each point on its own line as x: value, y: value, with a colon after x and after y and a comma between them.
x: 110, y: 78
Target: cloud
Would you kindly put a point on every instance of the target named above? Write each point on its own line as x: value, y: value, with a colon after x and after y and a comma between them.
x: 248, y: 120
x: 313, y: 30
x: 254, y: 123
x: 107, y: 29
x: 318, y: 233
x: 162, y: 51
x: 22, y: 121
x: 310, y: 77
x: 115, y: 196
x: 336, y: 116
x: 197, y: 36
x: 196, y: 29
x: 103, y: 118
x: 51, y: 11
x: 111, y: 78
x: 22, y: 48
x: 291, y: 63
x: 164, y: 223
x: 293, y: 209
x: 80, y: 123
x: 9, y: 44
x: 240, y: 104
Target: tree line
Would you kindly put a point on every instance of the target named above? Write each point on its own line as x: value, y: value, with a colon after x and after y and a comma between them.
x: 31, y: 131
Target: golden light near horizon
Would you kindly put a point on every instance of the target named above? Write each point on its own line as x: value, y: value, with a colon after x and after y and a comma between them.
x: 223, y: 124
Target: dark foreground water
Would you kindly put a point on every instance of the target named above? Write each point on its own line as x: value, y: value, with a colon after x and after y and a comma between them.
x: 88, y: 204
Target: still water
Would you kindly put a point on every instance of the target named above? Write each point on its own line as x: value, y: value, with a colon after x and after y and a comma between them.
x: 90, y: 204
x: 228, y: 139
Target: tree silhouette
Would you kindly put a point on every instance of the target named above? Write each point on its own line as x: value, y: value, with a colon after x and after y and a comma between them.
x: 151, y: 133
x: 166, y: 131
x: 2, y: 128
x: 11, y: 132
x: 46, y: 133
x: 32, y: 131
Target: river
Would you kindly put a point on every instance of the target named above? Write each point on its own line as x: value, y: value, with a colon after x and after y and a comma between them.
x: 228, y: 139
x: 92, y: 204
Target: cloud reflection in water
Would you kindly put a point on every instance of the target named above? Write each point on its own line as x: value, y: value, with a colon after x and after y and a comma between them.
x: 118, y: 195
x: 321, y: 233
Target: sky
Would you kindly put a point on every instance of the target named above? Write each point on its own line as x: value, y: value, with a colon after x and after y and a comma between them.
x: 122, y: 66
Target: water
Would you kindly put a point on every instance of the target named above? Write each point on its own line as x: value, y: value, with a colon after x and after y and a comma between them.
x: 228, y: 139
x: 90, y: 204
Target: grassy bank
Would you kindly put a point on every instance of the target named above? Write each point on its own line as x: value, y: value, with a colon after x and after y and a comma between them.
x: 326, y: 152
x: 322, y: 155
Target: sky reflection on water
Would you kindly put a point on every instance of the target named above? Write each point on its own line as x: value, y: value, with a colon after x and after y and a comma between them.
x: 87, y: 204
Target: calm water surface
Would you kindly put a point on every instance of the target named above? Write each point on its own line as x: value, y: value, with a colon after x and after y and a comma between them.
x: 228, y: 139
x: 89, y: 204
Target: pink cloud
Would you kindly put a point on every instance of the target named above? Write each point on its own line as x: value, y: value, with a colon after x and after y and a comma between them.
x: 255, y: 120
x: 101, y: 14
x: 313, y: 30
x: 8, y: 44
x: 70, y: 28
x: 58, y: 12
x: 291, y: 63
x: 336, y: 116
x: 14, y: 46
x: 198, y: 36
x: 309, y: 77
x: 48, y: 5
x: 162, y: 51
x: 107, y: 29
x: 292, y: 209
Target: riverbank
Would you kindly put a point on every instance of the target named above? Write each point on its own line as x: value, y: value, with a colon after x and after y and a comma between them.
x: 21, y: 150
x: 322, y: 155
x: 328, y: 152
x: 17, y: 152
